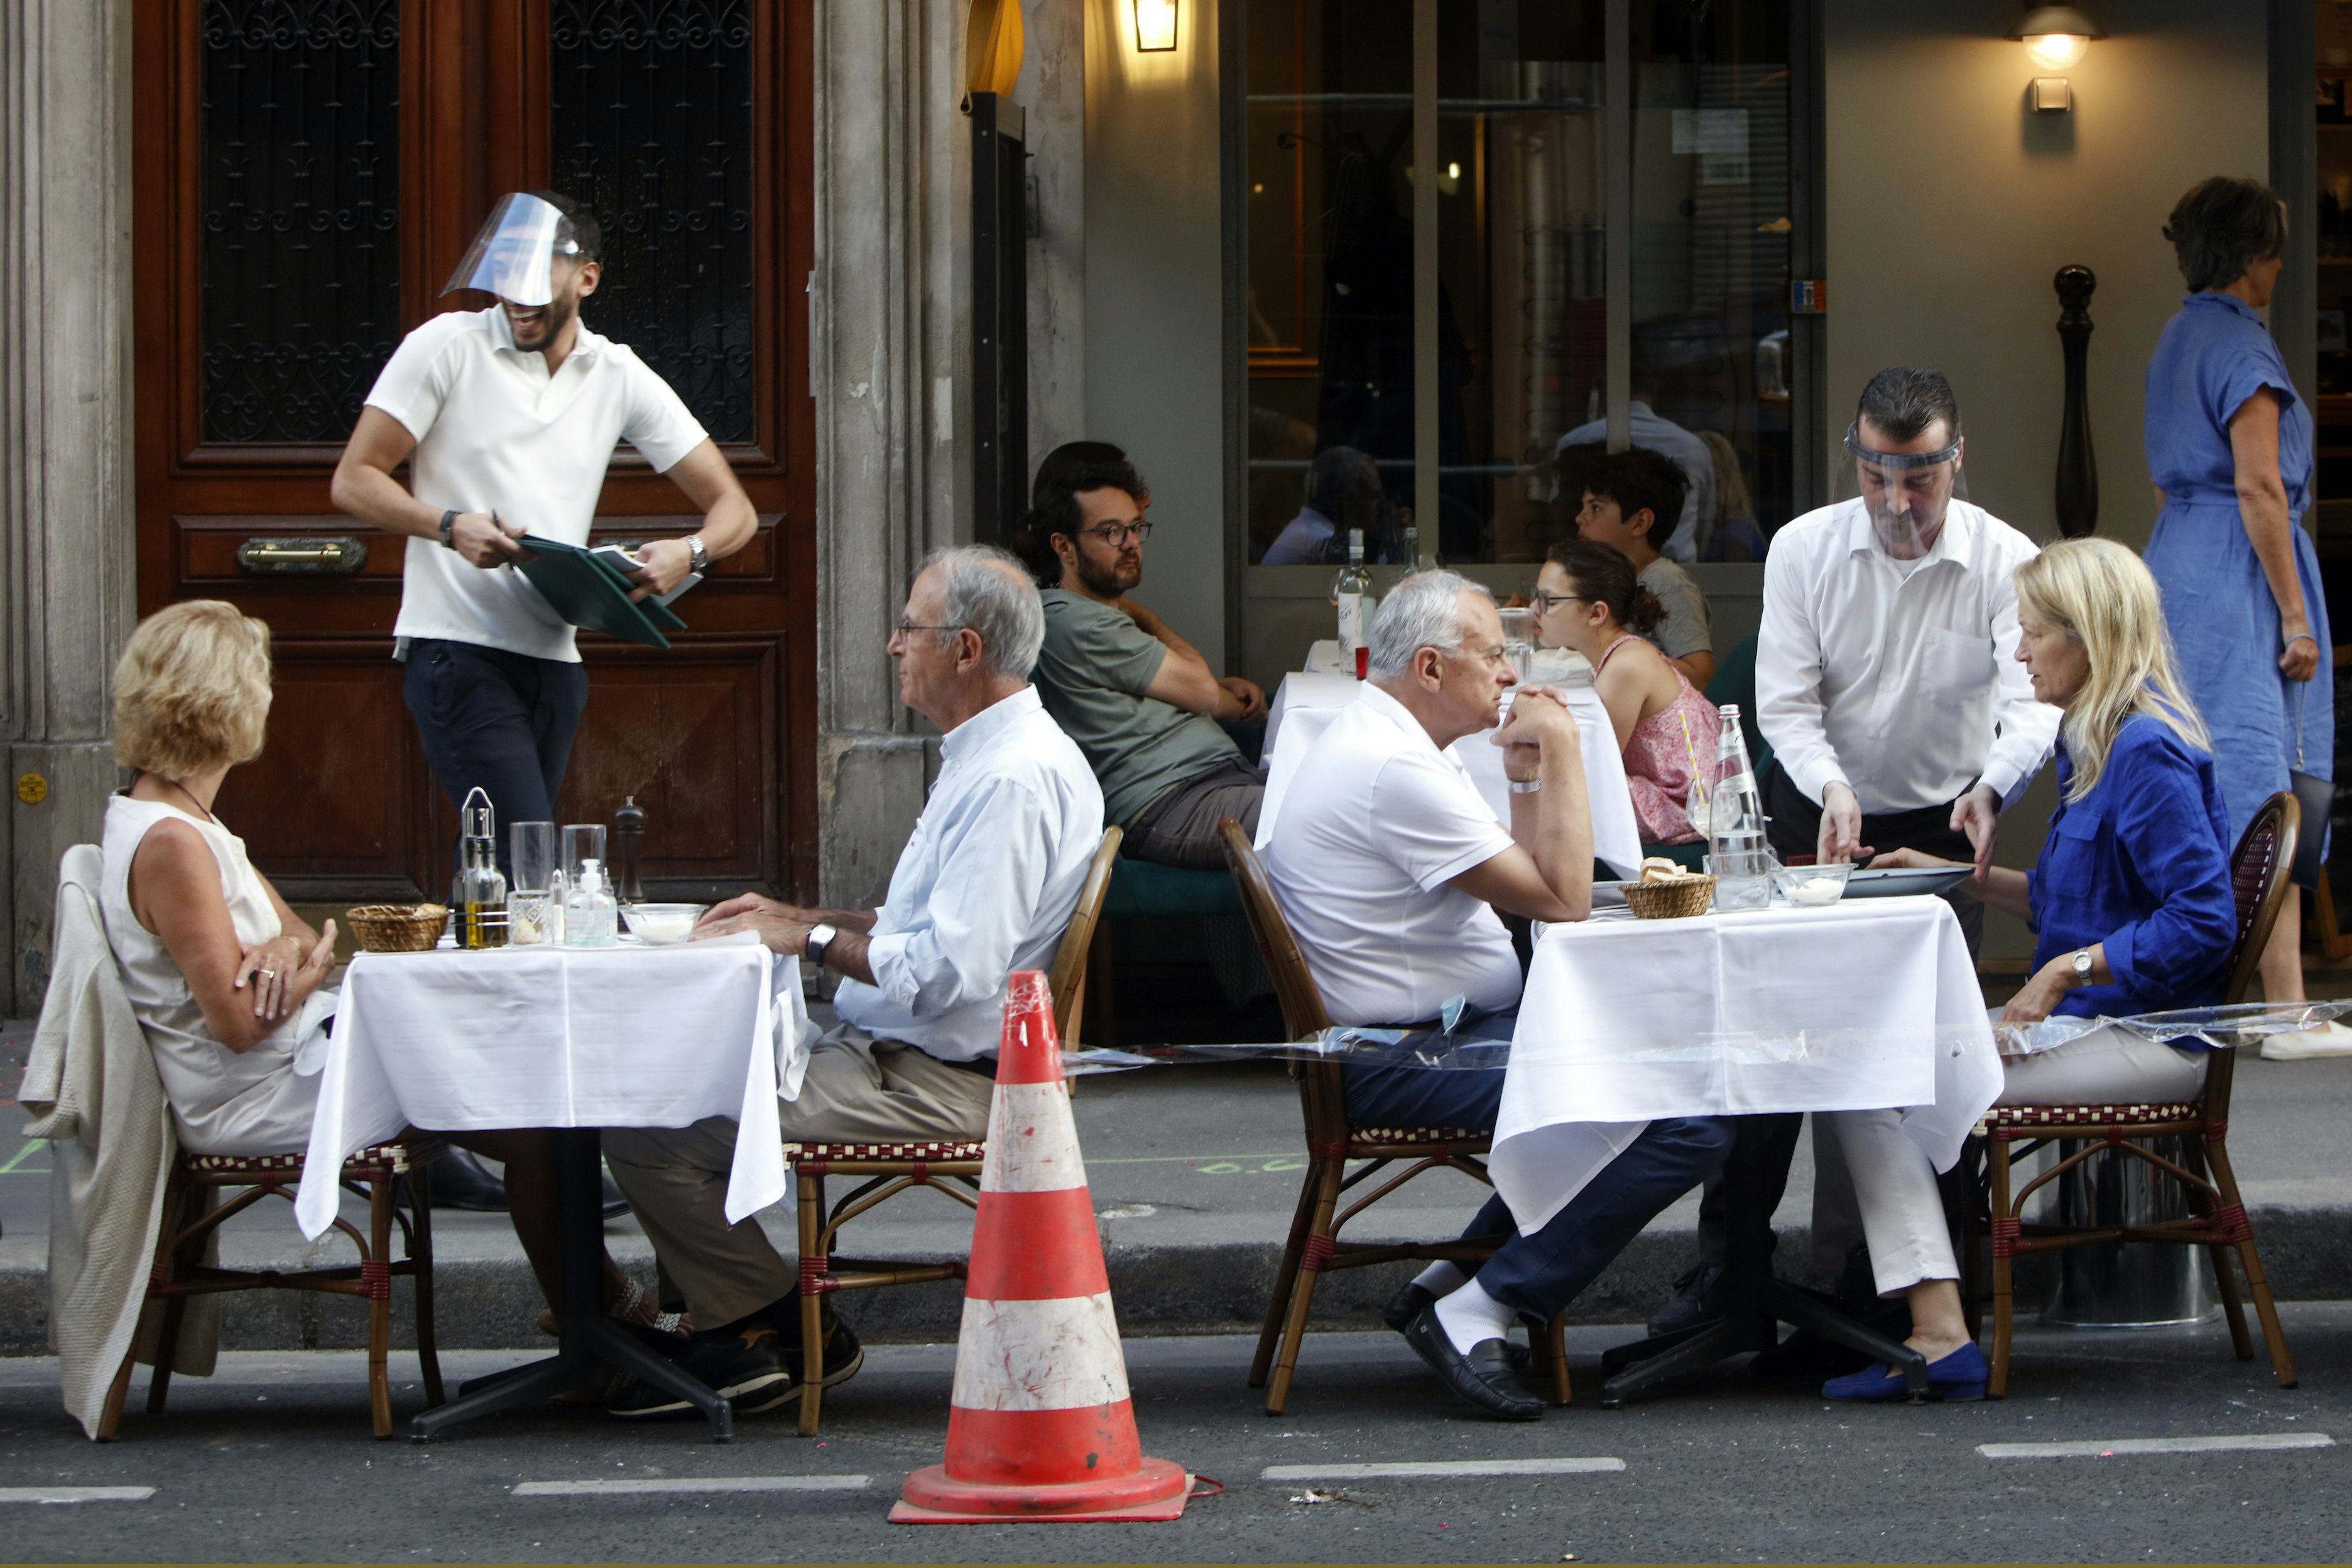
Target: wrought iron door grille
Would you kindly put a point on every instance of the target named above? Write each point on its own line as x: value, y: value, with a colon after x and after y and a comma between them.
x: 299, y: 213
x: 651, y: 123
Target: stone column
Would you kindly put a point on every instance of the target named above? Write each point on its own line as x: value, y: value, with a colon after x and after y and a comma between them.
x: 68, y: 537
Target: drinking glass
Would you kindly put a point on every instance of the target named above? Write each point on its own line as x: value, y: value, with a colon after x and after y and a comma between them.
x: 583, y: 841
x: 534, y: 899
x: 1519, y: 640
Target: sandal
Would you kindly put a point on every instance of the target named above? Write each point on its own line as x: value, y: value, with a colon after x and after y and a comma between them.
x: 630, y: 1306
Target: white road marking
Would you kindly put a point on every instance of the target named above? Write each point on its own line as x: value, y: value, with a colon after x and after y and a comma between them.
x: 696, y: 1484
x: 2255, y: 1441
x: 76, y: 1494
x: 1440, y: 1468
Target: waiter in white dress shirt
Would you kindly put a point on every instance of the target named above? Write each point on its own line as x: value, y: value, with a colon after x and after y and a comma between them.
x: 1888, y: 685
x: 509, y: 418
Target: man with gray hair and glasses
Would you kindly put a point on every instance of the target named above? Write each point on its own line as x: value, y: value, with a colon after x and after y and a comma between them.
x: 983, y: 887
x: 1392, y: 871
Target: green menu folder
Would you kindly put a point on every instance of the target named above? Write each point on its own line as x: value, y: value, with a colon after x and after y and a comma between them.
x: 592, y: 592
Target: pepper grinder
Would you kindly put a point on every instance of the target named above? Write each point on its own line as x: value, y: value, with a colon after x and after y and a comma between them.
x: 628, y: 851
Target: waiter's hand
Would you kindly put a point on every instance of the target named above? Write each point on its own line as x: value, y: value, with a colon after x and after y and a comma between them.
x: 1978, y: 814
x: 1840, y: 843
x: 486, y: 539
x: 662, y: 565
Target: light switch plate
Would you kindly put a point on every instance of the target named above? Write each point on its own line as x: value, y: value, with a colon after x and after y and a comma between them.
x: 2052, y: 95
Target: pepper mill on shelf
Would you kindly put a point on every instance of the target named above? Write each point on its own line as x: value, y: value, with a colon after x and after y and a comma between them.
x: 628, y: 851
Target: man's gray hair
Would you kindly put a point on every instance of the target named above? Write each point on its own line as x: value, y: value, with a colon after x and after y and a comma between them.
x: 1422, y: 611
x: 989, y: 590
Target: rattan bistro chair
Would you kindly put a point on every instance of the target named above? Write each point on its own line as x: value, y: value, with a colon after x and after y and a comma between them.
x: 886, y: 1170
x: 1313, y: 1247
x: 191, y: 1220
x: 2259, y: 878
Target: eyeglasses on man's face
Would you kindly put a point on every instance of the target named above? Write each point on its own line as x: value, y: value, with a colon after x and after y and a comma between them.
x: 1116, y: 535
x: 905, y: 630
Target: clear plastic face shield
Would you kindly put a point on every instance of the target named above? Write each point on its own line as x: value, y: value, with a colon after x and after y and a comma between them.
x: 514, y: 256
x: 1906, y: 492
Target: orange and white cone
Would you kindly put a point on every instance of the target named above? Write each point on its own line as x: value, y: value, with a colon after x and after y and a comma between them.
x: 1041, y: 1426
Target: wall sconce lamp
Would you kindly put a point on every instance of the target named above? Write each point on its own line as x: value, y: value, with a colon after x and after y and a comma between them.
x: 1155, y: 26
x: 2054, y: 37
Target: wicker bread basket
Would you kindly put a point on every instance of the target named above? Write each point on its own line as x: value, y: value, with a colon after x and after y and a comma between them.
x: 397, y: 928
x: 1671, y: 901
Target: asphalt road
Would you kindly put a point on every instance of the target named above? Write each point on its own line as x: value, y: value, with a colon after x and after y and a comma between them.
x: 271, y: 1460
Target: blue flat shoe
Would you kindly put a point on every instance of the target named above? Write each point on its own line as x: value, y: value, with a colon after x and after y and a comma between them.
x: 1961, y: 1375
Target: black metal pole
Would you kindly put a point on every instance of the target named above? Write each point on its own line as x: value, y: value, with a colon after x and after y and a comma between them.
x: 2078, y: 471
x: 999, y: 318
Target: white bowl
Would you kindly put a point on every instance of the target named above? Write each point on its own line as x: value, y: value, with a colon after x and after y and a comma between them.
x: 659, y: 925
x: 1810, y: 886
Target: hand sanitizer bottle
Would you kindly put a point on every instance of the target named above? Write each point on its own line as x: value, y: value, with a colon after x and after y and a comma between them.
x: 590, y: 917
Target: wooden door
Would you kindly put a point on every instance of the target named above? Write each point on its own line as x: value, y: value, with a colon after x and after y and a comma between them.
x: 307, y: 173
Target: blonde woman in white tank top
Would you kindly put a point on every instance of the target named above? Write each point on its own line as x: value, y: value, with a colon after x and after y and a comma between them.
x: 217, y: 968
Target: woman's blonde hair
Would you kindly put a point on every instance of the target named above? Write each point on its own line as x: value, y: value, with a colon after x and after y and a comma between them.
x: 2103, y: 596
x: 192, y: 690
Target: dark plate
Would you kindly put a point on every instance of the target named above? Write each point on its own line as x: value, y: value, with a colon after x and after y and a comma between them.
x: 1904, y: 882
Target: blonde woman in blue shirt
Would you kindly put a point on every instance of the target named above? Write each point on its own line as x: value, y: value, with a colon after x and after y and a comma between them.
x: 2131, y: 903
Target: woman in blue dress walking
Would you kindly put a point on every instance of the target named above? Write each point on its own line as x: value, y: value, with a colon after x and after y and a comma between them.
x: 2228, y: 445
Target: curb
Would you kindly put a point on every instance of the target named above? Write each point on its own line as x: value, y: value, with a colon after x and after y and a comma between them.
x: 1217, y: 1287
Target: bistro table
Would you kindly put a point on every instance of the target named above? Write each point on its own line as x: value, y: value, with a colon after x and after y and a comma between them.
x: 1307, y: 701
x: 574, y: 1039
x: 1862, y: 1004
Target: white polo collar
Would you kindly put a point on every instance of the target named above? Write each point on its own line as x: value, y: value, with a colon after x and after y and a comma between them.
x: 585, y: 347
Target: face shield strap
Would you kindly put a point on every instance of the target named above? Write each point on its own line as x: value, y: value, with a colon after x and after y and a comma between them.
x: 1877, y: 460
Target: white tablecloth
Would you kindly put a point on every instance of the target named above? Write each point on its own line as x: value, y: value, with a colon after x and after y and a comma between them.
x: 554, y: 1037
x: 1306, y: 702
x: 1860, y: 1005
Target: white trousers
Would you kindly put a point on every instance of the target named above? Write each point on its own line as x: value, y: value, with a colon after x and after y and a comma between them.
x: 1872, y: 1183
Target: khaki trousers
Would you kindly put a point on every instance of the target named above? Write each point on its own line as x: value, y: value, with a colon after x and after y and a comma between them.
x: 857, y: 1091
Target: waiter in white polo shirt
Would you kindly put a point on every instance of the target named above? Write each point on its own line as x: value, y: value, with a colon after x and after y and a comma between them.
x: 1888, y: 685
x: 509, y: 418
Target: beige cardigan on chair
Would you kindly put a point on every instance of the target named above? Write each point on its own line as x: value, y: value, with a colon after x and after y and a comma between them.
x: 93, y: 1089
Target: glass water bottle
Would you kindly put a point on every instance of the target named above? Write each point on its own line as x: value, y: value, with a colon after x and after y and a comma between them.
x: 481, y: 886
x: 1737, y: 851
x: 1350, y: 591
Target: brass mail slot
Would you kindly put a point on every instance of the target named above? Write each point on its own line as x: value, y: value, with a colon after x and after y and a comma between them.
x: 301, y: 557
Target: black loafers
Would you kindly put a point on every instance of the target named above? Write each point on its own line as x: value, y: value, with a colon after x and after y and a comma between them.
x: 1406, y: 1305
x: 1483, y: 1378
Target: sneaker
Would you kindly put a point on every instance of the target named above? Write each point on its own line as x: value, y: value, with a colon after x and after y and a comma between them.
x: 2330, y: 1039
x: 1698, y: 1296
x: 745, y: 1367
x: 842, y: 1354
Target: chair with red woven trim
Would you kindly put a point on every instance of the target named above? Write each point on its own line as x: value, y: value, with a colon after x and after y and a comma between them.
x: 2217, y: 1220
x: 888, y: 1170
x: 192, y: 1219
x: 1313, y: 1247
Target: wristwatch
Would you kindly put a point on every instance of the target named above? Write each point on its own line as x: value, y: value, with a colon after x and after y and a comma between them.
x: 1526, y: 786
x: 449, y: 528
x: 698, y: 552
x: 2082, y: 965
x: 820, y: 937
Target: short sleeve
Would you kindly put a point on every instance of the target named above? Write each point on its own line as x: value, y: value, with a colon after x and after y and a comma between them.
x: 415, y: 382
x: 1429, y: 821
x: 1089, y: 645
x: 2241, y: 370
x: 1685, y: 630
x: 659, y: 425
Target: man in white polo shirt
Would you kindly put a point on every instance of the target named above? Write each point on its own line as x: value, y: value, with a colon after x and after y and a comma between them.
x: 507, y: 417
x: 1391, y: 868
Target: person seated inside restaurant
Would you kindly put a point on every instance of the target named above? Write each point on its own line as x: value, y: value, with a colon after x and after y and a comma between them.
x: 2131, y: 906
x: 1393, y: 874
x: 1588, y: 599
x: 1625, y: 495
x: 1139, y: 700
x: 1343, y: 492
x: 1733, y: 534
x: 984, y: 886
x: 1679, y: 530
x: 226, y: 981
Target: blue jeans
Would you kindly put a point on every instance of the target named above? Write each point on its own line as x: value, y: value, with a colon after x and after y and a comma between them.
x: 1540, y: 1275
x: 497, y: 720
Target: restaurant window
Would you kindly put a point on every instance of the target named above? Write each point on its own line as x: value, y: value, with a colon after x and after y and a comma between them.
x: 1528, y: 315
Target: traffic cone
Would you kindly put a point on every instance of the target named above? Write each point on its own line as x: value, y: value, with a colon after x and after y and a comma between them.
x: 1041, y: 1428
